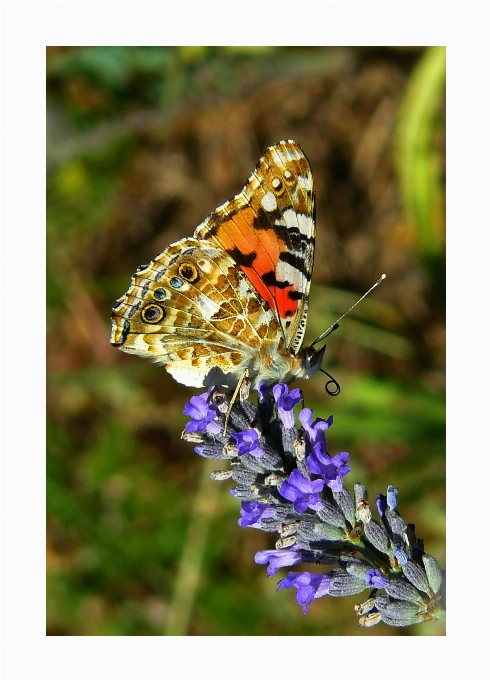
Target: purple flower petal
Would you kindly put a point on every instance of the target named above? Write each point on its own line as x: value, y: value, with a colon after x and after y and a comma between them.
x: 331, y: 469
x: 201, y: 413
x: 391, y: 497
x: 302, y: 492
x: 285, y: 403
x: 309, y: 586
x: 400, y: 554
x: 381, y: 504
x: 375, y: 579
x: 316, y: 430
x: 248, y: 442
x: 278, y: 558
x: 252, y: 512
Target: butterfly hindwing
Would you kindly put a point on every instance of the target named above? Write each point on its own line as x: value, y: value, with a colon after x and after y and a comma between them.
x: 191, y: 309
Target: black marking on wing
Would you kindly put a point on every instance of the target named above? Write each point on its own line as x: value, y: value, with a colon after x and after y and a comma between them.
x: 300, y: 241
x: 265, y: 220
x: 133, y: 309
x: 161, y: 273
x: 296, y: 262
x: 290, y: 235
x: 269, y: 278
x: 124, y: 334
x: 213, y: 222
x: 242, y: 259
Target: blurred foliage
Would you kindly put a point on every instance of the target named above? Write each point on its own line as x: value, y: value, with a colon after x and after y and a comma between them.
x: 419, y: 159
x: 142, y: 143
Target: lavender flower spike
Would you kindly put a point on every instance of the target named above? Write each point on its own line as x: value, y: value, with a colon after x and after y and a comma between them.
x: 290, y: 486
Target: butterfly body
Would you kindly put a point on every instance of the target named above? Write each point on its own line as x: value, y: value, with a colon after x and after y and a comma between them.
x: 235, y: 296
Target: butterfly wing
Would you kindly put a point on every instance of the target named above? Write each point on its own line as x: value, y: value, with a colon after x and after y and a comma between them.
x: 268, y: 229
x: 192, y: 310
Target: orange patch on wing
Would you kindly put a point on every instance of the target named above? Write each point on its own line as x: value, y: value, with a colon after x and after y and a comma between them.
x: 285, y: 305
x: 278, y: 298
x: 240, y: 233
x: 266, y: 293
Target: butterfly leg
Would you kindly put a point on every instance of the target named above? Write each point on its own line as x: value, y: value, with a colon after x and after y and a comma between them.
x: 242, y: 389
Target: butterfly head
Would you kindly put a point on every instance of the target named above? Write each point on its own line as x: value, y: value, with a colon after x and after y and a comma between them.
x: 311, y: 360
x: 305, y: 364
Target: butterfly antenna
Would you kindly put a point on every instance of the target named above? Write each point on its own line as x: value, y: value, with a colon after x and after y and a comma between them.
x: 335, y: 325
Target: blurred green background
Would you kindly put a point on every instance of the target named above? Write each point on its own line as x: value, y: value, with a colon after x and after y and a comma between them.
x: 144, y: 142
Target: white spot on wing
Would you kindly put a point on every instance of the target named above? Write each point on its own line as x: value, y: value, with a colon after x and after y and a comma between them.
x: 140, y: 345
x: 211, y: 252
x: 244, y: 288
x: 306, y: 182
x: 286, y: 272
x: 204, y: 265
x: 303, y: 222
x: 208, y: 307
x: 269, y: 202
x: 187, y: 376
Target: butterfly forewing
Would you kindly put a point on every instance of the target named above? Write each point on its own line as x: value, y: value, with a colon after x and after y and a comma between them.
x: 269, y: 230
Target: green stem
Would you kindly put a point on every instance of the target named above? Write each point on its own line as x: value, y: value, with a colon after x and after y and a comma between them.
x: 190, y: 565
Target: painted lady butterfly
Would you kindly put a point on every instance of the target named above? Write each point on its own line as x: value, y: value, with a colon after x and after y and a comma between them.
x: 235, y: 296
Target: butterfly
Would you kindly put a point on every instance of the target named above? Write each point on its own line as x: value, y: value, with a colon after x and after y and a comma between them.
x: 233, y: 299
